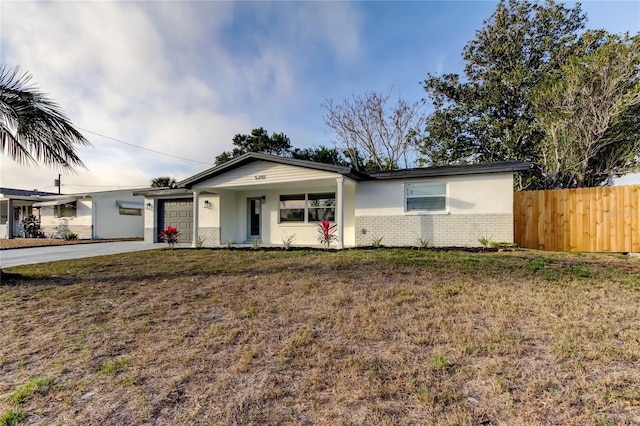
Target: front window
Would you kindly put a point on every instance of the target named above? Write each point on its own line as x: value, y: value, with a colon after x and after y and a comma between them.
x: 426, y: 196
x: 66, y: 210
x: 292, y: 208
x: 128, y: 211
x: 308, y: 207
x: 321, y: 207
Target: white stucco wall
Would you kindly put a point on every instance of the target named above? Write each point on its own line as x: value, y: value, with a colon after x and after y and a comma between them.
x: 107, y: 220
x: 230, y: 217
x: 270, y: 180
x: 80, y: 224
x: 490, y: 193
x: 477, y: 206
x: 97, y: 216
x: 209, y: 216
x: 234, y: 223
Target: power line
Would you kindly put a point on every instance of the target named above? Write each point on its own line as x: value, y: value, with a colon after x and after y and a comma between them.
x: 146, y: 149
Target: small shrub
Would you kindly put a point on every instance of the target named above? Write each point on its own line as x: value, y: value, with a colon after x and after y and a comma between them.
x: 327, y: 232
x: 287, y: 240
x: 423, y: 242
x: 255, y: 244
x: 12, y: 417
x: 199, y: 243
x: 377, y: 241
x: 485, y: 241
x: 70, y: 236
x: 170, y: 236
x: 31, y: 227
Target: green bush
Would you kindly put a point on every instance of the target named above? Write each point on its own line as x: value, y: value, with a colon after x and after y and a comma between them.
x: 69, y: 236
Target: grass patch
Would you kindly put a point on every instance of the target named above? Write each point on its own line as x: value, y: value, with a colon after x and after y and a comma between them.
x: 29, y: 390
x: 12, y: 417
x: 113, y: 366
x: 314, y: 337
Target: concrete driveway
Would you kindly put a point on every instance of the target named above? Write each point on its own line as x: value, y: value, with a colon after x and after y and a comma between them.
x: 27, y: 256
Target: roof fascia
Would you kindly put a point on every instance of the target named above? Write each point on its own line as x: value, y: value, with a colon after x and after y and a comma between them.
x: 252, y: 156
x: 500, y: 167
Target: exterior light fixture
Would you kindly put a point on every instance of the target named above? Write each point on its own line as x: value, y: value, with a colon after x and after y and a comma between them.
x: 207, y: 204
x: 149, y: 206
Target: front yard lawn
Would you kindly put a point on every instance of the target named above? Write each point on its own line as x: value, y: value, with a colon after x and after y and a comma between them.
x: 385, y: 336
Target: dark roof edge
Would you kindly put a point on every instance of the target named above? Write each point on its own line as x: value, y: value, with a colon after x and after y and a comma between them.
x: 163, y: 191
x: 24, y: 192
x: 253, y: 156
x: 497, y: 167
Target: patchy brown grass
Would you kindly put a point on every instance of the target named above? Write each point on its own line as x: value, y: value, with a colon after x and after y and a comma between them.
x: 353, y: 337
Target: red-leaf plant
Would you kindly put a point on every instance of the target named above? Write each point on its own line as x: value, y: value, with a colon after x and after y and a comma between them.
x: 327, y: 232
x: 170, y: 236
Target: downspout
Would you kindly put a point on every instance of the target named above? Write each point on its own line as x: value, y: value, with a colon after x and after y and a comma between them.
x: 196, y: 202
x: 340, y: 210
x: 9, y: 218
x: 94, y: 219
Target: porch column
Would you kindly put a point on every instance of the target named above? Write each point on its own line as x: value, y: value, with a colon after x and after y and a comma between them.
x: 10, y: 219
x: 196, y: 205
x: 340, y: 210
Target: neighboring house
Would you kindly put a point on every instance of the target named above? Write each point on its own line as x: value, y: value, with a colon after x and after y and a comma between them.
x: 92, y: 215
x: 268, y: 198
x: 15, y: 206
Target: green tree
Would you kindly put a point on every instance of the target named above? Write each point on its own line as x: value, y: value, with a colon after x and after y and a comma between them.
x: 33, y: 128
x: 321, y: 154
x: 258, y: 141
x: 487, y: 116
x: 588, y: 110
x: 164, y: 182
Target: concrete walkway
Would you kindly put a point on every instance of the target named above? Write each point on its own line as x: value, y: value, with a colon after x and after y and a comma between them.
x: 27, y: 256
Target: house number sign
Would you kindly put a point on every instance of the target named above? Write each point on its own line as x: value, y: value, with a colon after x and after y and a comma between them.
x: 260, y: 177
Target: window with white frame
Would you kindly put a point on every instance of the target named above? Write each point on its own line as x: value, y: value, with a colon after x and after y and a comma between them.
x: 308, y: 207
x: 129, y: 211
x: 321, y: 207
x: 65, y: 210
x: 292, y: 208
x: 426, y: 197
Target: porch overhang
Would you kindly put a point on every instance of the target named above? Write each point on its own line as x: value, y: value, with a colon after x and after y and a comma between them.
x: 54, y: 202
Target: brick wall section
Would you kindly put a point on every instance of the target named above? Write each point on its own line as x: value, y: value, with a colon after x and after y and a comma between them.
x: 150, y: 235
x: 442, y: 230
x: 211, y: 236
x: 83, y: 231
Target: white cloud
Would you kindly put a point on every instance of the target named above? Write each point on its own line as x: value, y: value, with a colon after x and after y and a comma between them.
x: 169, y: 76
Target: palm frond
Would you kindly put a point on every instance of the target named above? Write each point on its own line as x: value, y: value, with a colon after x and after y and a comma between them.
x: 33, y: 128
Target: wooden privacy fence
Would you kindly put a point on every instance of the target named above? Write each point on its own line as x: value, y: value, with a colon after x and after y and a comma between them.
x: 602, y: 219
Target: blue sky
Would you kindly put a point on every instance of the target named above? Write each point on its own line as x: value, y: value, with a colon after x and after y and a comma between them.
x: 184, y: 77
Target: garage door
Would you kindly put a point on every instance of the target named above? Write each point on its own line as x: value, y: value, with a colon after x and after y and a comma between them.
x: 177, y: 213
